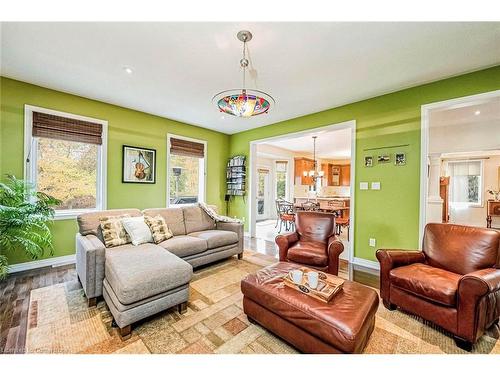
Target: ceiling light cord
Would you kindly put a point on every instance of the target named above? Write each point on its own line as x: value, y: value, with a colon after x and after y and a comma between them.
x: 244, y: 62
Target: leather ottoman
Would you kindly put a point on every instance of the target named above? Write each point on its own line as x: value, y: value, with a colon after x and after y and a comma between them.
x: 342, y: 325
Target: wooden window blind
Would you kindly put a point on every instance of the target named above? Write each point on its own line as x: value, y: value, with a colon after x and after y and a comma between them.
x: 187, y: 148
x: 68, y: 129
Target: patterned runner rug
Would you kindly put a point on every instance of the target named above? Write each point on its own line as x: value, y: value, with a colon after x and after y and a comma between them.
x: 61, y: 322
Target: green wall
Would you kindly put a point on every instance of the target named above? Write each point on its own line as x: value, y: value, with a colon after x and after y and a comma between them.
x: 390, y: 215
x: 125, y: 126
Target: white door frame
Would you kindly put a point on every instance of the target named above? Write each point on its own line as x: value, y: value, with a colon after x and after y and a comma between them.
x: 351, y: 124
x: 424, y: 143
x: 267, y: 192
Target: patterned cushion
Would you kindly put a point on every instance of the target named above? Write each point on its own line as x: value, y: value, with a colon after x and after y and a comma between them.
x: 159, y: 228
x: 113, y: 232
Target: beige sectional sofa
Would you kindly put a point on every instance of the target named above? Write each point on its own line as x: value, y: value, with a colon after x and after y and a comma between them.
x: 139, y: 281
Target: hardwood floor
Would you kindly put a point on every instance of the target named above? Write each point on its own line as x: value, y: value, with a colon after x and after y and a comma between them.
x: 14, y: 302
x: 15, y: 294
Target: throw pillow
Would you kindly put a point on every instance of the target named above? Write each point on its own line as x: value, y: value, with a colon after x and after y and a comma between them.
x: 137, y: 229
x: 159, y: 228
x: 113, y: 232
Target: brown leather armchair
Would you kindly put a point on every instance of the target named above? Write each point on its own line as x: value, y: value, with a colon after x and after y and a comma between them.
x: 313, y: 244
x: 454, y: 281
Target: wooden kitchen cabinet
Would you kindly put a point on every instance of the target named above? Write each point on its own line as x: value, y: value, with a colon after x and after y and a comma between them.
x: 335, y: 175
x: 345, y: 175
x: 303, y: 165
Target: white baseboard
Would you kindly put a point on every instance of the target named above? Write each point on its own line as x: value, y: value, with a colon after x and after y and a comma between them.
x: 366, y: 263
x: 49, y: 262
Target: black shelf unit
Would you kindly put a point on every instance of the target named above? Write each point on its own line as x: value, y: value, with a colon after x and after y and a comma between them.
x: 236, y: 176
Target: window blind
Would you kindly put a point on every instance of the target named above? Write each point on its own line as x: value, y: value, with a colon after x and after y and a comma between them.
x: 68, y: 129
x: 187, y: 148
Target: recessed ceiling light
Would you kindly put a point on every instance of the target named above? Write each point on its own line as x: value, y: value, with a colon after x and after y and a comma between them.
x: 222, y: 117
x: 128, y: 70
x: 477, y: 113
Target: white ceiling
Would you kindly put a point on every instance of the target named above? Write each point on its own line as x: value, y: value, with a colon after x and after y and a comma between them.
x: 332, y: 144
x: 178, y: 67
x: 481, y: 112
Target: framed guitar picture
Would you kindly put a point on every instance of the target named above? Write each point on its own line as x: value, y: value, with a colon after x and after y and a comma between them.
x: 139, y: 165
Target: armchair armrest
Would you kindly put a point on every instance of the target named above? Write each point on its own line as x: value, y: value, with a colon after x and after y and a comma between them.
x: 480, y: 282
x: 90, y: 258
x: 284, y: 241
x: 478, y: 300
x: 233, y: 227
x: 335, y: 247
x: 390, y: 259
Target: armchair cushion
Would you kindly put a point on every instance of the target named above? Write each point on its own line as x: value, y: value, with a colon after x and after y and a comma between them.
x: 434, y: 284
x: 308, y: 252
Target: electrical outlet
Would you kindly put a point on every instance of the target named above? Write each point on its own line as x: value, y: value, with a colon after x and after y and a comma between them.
x: 375, y: 185
x: 363, y: 186
x: 372, y: 242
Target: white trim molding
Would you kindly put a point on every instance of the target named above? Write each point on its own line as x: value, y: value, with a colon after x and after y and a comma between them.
x: 371, y: 264
x: 424, y: 144
x: 49, y: 262
x: 252, y: 209
x: 30, y: 158
x: 202, y: 188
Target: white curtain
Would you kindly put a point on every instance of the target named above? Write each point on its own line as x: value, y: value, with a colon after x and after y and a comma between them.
x: 465, y: 182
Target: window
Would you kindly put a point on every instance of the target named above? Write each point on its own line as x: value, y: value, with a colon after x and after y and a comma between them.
x: 65, y: 158
x: 186, y: 171
x: 281, y: 179
x: 466, y: 182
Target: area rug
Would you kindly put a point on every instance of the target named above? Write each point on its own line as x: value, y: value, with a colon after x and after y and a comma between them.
x: 61, y: 322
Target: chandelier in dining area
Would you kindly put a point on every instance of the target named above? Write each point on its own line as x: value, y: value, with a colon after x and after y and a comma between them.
x: 314, y: 173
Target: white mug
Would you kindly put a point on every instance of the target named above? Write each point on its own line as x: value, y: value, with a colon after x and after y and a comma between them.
x: 312, y: 279
x: 296, y: 276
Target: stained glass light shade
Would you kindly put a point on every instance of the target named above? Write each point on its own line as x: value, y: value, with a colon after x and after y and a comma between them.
x: 243, y: 103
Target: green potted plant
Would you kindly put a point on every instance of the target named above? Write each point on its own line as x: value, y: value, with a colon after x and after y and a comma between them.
x: 24, y: 218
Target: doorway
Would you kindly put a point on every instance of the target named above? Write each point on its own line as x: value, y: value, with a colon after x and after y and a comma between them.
x: 286, y: 181
x: 263, y: 194
x: 460, y: 161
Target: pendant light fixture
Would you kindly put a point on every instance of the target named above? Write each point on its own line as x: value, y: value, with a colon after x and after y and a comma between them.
x: 243, y: 102
x: 314, y: 173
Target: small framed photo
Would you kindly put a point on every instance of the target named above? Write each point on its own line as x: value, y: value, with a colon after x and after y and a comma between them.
x: 400, y: 158
x: 368, y: 161
x: 386, y: 158
x: 138, y: 165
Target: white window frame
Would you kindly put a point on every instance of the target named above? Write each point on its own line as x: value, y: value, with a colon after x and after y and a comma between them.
x: 30, y: 158
x: 202, y: 177
x: 479, y: 204
x: 287, y: 179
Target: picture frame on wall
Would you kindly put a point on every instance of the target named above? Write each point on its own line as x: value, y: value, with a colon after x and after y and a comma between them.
x: 399, y: 158
x: 368, y: 161
x: 382, y: 159
x: 138, y: 165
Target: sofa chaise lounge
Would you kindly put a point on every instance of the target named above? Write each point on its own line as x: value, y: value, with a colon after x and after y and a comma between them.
x: 139, y: 281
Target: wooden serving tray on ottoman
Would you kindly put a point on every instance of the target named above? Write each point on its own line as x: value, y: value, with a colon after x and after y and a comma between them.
x: 328, y: 285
